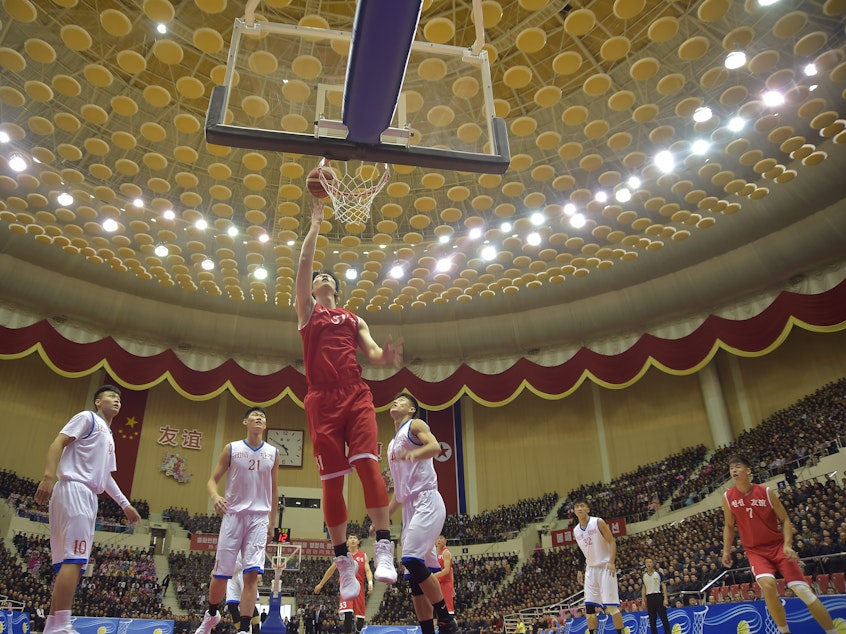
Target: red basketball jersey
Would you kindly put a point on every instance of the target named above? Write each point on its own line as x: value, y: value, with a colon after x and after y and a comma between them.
x: 360, y: 559
x: 755, y: 517
x: 330, y: 341
x: 447, y: 578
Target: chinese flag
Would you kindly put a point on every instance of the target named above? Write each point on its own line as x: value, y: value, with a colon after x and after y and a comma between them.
x: 448, y: 464
x: 126, y: 431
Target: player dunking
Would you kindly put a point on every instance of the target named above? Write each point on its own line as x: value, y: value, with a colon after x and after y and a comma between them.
x: 410, y: 455
x: 445, y: 576
x: 599, y: 548
x: 249, y: 512
x: 352, y: 611
x: 79, y: 465
x: 339, y: 408
x: 757, y: 511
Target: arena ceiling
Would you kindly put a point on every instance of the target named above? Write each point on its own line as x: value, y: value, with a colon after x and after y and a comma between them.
x: 98, y: 104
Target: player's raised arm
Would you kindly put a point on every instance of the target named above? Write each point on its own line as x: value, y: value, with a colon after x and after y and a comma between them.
x: 303, y: 301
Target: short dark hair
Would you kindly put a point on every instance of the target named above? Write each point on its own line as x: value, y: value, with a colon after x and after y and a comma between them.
x: 255, y: 408
x: 580, y: 501
x: 333, y: 276
x: 105, y: 388
x: 739, y: 459
x: 411, y: 399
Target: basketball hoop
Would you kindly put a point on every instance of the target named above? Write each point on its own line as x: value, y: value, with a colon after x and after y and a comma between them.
x: 353, y: 190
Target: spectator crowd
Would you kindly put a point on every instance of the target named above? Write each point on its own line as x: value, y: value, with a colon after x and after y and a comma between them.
x: 124, y: 582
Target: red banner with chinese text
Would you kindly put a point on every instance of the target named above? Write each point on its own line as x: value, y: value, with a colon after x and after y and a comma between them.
x: 564, y: 536
x: 126, y: 431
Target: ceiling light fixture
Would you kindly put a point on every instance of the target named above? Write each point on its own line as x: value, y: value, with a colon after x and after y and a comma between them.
x: 17, y: 162
x: 264, y: 237
x: 443, y: 265
x: 201, y: 224
x: 773, y: 98
x: 207, y: 264
x: 702, y: 114
x: 633, y: 182
x: 736, y: 124
x: 537, y: 218
x: 475, y: 233
x: 443, y: 239
x: 810, y: 70
x: 4, y: 137
x: 260, y: 273
x: 64, y: 199
x: 623, y: 195
x: 488, y: 253
x: 138, y: 203
x: 533, y: 238
x: 351, y: 273
x: 735, y: 60
x: 664, y: 161
x: 169, y: 214
x: 505, y: 227
x: 161, y: 28
x: 161, y: 251
x: 578, y: 221
x: 700, y: 146
x: 110, y: 225
x: 396, y: 271
x: 569, y: 209
x: 600, y: 197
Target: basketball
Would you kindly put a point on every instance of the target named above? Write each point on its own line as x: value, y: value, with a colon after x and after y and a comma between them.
x: 315, y: 186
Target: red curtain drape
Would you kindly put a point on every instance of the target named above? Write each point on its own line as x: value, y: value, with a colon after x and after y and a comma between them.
x: 755, y: 336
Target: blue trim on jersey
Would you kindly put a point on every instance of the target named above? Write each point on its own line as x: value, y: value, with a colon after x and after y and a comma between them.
x: 257, y: 448
x: 411, y: 437
x: 58, y: 566
x: 459, y: 457
x: 222, y: 576
x: 253, y: 569
x: 93, y: 426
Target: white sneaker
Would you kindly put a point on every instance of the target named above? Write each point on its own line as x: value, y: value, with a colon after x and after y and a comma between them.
x: 208, y: 623
x: 347, y: 569
x: 383, y: 555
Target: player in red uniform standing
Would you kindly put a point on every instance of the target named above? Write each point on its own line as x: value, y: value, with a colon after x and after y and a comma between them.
x: 445, y: 577
x: 339, y: 408
x: 757, y: 511
x: 352, y: 611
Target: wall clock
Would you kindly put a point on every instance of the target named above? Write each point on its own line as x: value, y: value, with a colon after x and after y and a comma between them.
x: 289, y: 442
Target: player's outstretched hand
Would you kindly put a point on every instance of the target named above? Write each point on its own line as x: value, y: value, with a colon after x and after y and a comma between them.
x: 132, y: 514
x: 317, y: 212
x: 45, y: 490
x: 791, y: 554
x: 727, y: 561
x: 392, y: 352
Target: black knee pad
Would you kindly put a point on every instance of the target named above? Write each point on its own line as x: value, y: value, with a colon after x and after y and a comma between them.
x: 416, y: 590
x: 417, y: 569
x: 348, y: 622
x: 590, y: 609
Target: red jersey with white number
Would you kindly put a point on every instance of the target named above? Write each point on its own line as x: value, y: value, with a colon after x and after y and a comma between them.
x: 755, y: 516
x: 330, y: 342
x: 358, y: 605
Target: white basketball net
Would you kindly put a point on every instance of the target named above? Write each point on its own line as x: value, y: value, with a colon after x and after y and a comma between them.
x: 352, y: 190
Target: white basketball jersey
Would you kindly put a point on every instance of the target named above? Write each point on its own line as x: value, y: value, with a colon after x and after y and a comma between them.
x: 595, y: 547
x: 410, y: 478
x: 248, y: 483
x: 90, y: 458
